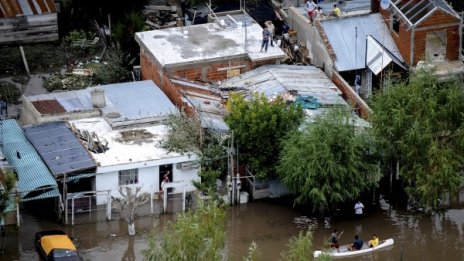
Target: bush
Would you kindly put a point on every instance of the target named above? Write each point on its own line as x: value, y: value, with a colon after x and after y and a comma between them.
x: 67, y: 82
x: 9, y: 92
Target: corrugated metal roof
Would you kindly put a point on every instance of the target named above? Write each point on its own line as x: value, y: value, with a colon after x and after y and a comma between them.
x: 15, y: 8
x: 274, y: 80
x: 34, y: 179
x: 136, y: 101
x: 59, y: 148
x: 413, y: 12
x: 347, y: 36
x: 129, y: 102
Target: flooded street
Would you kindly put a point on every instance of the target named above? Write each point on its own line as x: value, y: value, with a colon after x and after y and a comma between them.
x: 417, y: 237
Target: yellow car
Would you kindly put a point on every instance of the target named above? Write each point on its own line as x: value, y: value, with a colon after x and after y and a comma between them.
x: 55, y: 246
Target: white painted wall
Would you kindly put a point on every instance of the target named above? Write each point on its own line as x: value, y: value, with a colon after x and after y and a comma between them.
x: 148, y: 180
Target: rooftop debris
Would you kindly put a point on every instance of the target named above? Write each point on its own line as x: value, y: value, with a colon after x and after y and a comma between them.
x: 161, y: 16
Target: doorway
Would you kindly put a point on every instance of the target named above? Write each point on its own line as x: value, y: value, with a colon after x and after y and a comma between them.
x: 435, y: 46
x: 163, y: 170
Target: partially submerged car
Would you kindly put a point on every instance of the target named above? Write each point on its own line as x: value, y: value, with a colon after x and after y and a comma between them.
x: 55, y: 245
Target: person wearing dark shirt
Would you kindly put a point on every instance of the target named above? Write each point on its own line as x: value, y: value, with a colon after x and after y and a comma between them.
x: 334, y: 239
x: 357, y: 244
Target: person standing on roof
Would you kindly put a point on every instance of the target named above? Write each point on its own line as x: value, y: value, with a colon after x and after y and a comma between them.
x: 266, y: 37
x: 310, y: 6
x: 271, y: 28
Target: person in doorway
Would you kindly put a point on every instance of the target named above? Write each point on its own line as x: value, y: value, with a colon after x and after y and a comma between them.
x: 336, y: 12
x: 3, y: 106
x: 310, y: 6
x: 165, y: 180
x: 334, y: 239
x: 358, y: 209
x: 357, y: 243
x: 266, y: 36
x: 357, y: 83
x: 271, y: 28
x: 374, y: 241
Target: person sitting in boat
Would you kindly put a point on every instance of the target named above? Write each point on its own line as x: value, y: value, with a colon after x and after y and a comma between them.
x: 334, y: 239
x: 374, y: 241
x: 357, y: 244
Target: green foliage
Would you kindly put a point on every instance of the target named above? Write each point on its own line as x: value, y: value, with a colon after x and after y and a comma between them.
x: 195, y: 236
x: 76, y: 36
x: 420, y: 124
x: 126, y: 28
x: 328, y: 161
x: 112, y: 69
x: 9, y: 92
x: 253, y: 253
x: 6, y: 186
x: 208, y: 180
x: 124, y: 32
x: 300, y: 248
x: 258, y: 126
x: 183, y: 133
x: 59, y: 82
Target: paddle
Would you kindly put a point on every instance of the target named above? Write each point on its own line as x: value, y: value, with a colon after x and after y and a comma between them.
x: 341, y: 233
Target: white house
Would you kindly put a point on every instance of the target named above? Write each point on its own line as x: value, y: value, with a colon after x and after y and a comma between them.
x: 134, y: 158
x: 121, y: 126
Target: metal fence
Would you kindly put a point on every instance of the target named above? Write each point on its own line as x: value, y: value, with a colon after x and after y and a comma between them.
x: 82, y: 207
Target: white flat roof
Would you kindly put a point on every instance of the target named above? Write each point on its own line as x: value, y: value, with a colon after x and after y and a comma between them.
x: 127, y: 146
x: 205, y: 42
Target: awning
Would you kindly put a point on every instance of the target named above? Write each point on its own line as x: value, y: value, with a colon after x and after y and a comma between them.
x: 34, y: 179
x: 378, y: 57
x: 78, y: 177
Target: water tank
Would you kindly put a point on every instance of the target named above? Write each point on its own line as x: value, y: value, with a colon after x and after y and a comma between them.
x: 98, y: 98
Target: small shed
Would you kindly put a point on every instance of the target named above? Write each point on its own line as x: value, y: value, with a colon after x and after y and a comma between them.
x: 422, y: 30
x: 28, y: 21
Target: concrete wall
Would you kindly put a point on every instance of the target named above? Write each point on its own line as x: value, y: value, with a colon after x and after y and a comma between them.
x: 311, y: 36
x: 29, y: 114
x: 148, y: 180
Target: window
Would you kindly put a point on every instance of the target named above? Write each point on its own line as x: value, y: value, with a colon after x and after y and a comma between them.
x: 128, y: 177
x: 395, y: 24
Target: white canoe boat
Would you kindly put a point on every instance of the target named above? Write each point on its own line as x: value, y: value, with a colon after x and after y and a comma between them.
x: 344, y: 251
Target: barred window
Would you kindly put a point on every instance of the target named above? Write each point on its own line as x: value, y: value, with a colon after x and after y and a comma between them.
x: 128, y: 177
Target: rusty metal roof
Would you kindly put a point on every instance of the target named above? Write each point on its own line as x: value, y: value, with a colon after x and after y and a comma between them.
x: 48, y: 106
x: 14, y: 8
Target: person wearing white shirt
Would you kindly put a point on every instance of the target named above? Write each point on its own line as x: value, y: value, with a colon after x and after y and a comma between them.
x: 310, y: 6
x: 358, y: 209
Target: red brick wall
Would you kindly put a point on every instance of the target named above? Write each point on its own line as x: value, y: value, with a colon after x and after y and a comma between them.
x: 452, y: 43
x: 452, y: 35
x: 149, y: 71
x: 209, y: 72
x: 403, y: 38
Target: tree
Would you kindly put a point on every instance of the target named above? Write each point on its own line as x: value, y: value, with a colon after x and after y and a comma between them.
x: 259, y: 125
x: 419, y: 124
x: 6, y: 187
x: 195, y: 236
x: 300, y: 248
x: 185, y: 134
x: 328, y: 161
x: 128, y: 204
x: 112, y: 69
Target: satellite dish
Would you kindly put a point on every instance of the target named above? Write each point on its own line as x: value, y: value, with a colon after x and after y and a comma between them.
x: 385, y: 4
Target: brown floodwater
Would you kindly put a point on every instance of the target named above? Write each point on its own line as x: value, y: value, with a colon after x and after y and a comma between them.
x: 417, y: 237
